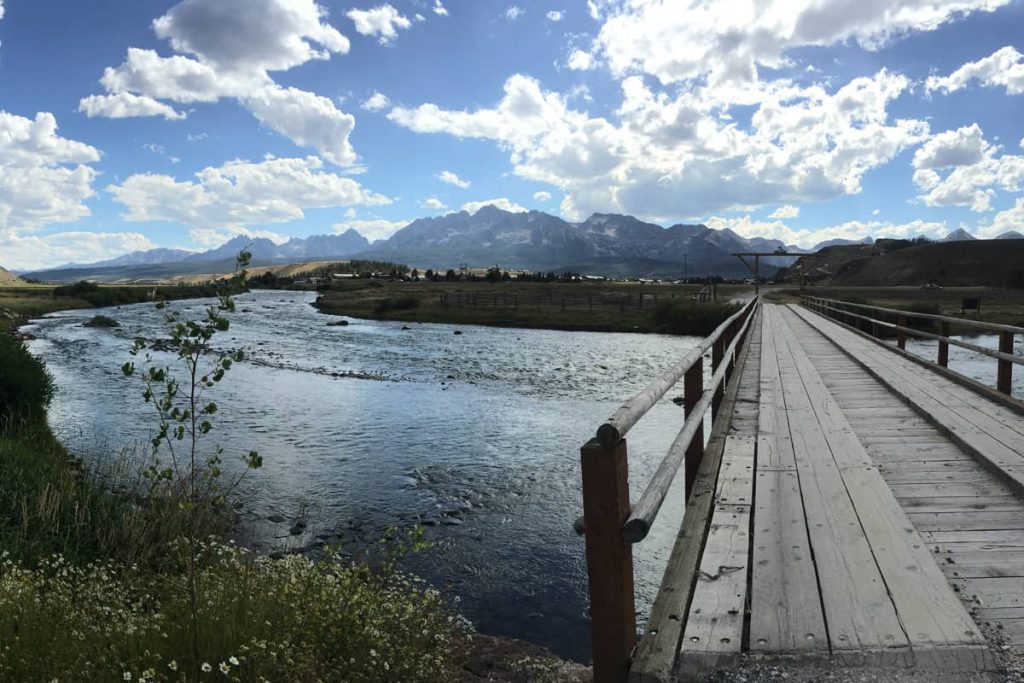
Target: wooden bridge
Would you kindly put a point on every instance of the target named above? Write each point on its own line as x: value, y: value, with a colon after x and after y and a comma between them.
x: 853, y: 504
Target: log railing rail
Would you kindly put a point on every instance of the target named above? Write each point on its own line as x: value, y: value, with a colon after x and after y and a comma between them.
x: 609, y: 523
x: 1005, y: 356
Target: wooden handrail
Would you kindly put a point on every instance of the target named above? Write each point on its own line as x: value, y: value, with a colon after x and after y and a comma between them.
x: 1005, y: 356
x: 646, y: 509
x: 979, y: 324
x: 616, y: 426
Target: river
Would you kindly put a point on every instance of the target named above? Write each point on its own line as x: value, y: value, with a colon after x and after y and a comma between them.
x: 378, y: 424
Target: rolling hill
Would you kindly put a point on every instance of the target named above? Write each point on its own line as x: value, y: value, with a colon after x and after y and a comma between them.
x: 8, y: 278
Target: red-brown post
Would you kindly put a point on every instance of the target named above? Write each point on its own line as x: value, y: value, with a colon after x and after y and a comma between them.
x: 609, y: 559
x: 901, y: 336
x: 717, y: 354
x: 944, y: 345
x: 1004, y: 380
x: 693, y: 389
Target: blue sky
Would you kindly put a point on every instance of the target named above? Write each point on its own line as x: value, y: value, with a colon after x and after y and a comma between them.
x: 130, y: 125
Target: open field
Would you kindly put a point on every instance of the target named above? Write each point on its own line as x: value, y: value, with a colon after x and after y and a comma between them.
x: 591, y: 306
x: 998, y: 305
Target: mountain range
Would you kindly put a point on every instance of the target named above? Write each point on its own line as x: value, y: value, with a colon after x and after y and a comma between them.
x: 608, y: 244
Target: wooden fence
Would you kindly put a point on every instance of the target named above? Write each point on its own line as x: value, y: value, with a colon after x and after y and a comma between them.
x: 845, y: 312
x: 611, y: 525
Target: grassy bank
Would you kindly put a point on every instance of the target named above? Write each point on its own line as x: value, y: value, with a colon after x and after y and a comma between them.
x: 599, y: 306
x: 20, y: 303
x: 998, y: 305
x: 96, y: 566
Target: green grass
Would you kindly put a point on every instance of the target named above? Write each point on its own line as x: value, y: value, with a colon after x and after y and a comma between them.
x: 563, y: 306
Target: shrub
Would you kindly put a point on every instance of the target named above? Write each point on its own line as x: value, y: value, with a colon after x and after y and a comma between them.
x: 290, y: 619
x: 101, y: 321
x: 26, y: 386
x: 687, y: 317
x: 402, y: 303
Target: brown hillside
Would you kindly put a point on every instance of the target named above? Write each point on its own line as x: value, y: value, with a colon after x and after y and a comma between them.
x: 7, y: 278
x: 992, y: 263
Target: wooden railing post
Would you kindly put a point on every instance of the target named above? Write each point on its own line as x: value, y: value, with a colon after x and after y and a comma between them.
x: 944, y: 345
x: 901, y: 336
x: 717, y: 355
x: 1004, y: 378
x: 693, y: 389
x: 609, y: 559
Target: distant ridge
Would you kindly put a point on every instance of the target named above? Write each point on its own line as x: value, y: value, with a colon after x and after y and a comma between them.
x: 8, y: 278
x: 959, y: 235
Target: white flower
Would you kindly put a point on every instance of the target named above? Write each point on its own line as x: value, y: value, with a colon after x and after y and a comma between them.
x: 206, y: 668
x: 172, y: 665
x: 225, y: 668
x: 127, y: 675
x: 233, y: 660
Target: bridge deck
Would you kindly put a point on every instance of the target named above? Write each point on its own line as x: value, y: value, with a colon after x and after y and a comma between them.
x: 867, y: 511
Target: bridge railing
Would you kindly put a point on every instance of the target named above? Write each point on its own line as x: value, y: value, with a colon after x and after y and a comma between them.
x: 845, y: 312
x: 611, y: 525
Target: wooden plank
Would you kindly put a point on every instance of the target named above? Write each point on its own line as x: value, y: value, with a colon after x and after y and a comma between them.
x: 943, y: 504
x: 786, y: 612
x: 978, y: 490
x: 966, y: 521
x: 736, y: 476
x: 714, y: 624
x: 658, y: 650
x: 975, y: 536
x: 938, y: 627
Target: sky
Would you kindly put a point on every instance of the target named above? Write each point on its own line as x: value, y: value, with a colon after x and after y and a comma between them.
x: 128, y: 125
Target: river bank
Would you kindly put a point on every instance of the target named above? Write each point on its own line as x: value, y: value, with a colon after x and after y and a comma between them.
x: 570, y: 306
x: 478, y: 658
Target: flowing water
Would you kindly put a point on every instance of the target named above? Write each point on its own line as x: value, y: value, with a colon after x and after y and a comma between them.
x: 377, y: 424
x: 975, y: 365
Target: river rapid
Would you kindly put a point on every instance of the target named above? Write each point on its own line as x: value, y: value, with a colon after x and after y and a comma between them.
x: 376, y: 424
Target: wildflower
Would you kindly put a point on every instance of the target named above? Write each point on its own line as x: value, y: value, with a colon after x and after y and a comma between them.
x: 172, y: 665
x: 224, y: 668
x: 206, y: 668
x: 127, y: 675
x: 233, y: 660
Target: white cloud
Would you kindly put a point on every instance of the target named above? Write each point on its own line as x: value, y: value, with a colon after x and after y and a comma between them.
x: 126, y: 105
x: 376, y: 102
x: 1, y: 9
x: 976, y: 170
x: 209, y: 238
x: 1010, y: 219
x: 676, y: 40
x: 227, y: 49
x: 439, y: 9
x: 554, y: 15
x: 452, y: 179
x: 433, y: 203
x: 1004, y: 67
x: 581, y: 61
x: 785, y: 211
x: 383, y: 20
x: 594, y: 10
x: 542, y: 196
x: 240, y: 193
x: 372, y: 228
x: 307, y: 119
x: 38, y: 252
x: 745, y: 226
x: 44, y: 178
x: 514, y: 12
x: 502, y: 203
x: 671, y: 157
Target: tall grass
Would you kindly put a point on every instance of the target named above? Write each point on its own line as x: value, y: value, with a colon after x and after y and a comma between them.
x: 690, y: 318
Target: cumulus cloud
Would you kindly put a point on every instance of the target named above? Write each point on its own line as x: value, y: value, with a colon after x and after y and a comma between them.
x: 542, y: 196
x: 676, y: 40
x: 240, y: 193
x: 227, y: 49
x: 673, y: 156
x: 208, y: 238
x: 383, y: 20
x: 372, y: 228
x: 439, y: 9
x: 36, y: 252
x: 580, y: 60
x: 433, y: 203
x: 452, y: 179
x: 973, y: 168
x: 44, y: 178
x: 745, y: 226
x: 376, y: 102
x: 785, y: 211
x: 1004, y: 221
x: 1, y: 9
x: 514, y: 12
x: 503, y: 203
x: 126, y: 105
x: 554, y: 15
x: 1004, y: 67
x: 307, y: 119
